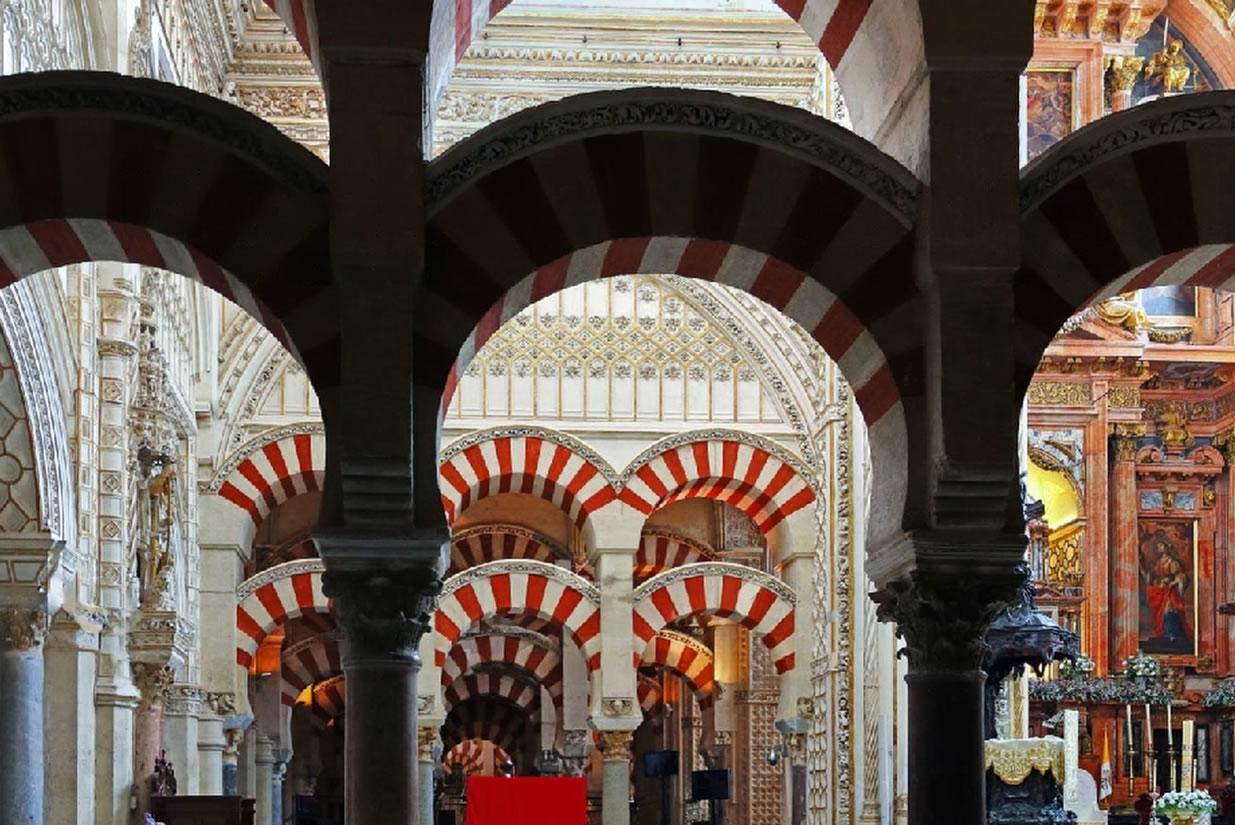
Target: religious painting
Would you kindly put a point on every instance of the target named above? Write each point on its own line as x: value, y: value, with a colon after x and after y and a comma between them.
x: 1166, y: 551
x: 1049, y: 109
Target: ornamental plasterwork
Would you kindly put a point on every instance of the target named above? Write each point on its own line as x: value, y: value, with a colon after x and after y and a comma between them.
x: 522, y: 566
x: 844, y: 585
x: 281, y: 571
x: 625, y: 349
x: 41, y: 35
x: 715, y: 568
x: 1060, y: 393
x: 19, y: 504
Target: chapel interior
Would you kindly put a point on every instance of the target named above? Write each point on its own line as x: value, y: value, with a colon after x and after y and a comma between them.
x: 639, y: 412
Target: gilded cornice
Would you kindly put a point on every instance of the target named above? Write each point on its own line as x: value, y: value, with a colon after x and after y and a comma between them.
x: 1209, y: 114
x: 793, y: 131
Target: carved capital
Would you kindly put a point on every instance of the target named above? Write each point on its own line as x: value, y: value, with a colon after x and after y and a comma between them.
x: 383, y: 612
x: 426, y: 738
x: 943, y: 616
x: 152, y: 681
x: 617, y: 706
x: 615, y: 744
x: 231, y: 751
x: 1123, y: 72
x: 1124, y: 438
x: 22, y: 629
x: 184, y: 700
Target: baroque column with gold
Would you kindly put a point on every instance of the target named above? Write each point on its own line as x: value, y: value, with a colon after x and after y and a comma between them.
x: 1122, y: 73
x: 22, y: 633
x: 1125, y: 578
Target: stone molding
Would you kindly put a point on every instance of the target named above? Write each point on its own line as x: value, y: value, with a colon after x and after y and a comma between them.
x: 792, y: 131
x: 383, y: 613
x: 715, y: 568
x: 22, y: 629
x: 684, y: 639
x: 1209, y: 115
x: 184, y: 700
x: 175, y: 108
x: 273, y: 574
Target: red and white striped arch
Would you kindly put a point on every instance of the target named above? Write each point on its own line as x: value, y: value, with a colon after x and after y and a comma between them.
x: 875, y: 47
x: 648, y: 693
x: 1147, y: 206
x: 750, y: 476
x: 275, y: 471
x: 100, y: 167
x: 539, y: 660
x: 330, y: 699
x: 506, y: 588
x: 489, y: 718
x: 759, y: 602
x: 523, y: 694
x: 310, y: 660
x: 550, y: 466
x: 492, y: 542
x: 274, y: 596
x: 661, y: 550
x: 686, y: 656
x: 471, y: 755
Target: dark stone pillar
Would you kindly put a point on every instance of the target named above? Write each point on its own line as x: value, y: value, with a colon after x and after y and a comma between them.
x: 22, y: 633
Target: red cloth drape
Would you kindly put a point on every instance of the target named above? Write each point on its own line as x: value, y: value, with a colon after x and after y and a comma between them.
x: 526, y: 800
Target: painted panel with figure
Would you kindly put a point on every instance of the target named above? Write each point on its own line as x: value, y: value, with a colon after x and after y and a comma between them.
x: 1167, y: 554
x: 1049, y: 109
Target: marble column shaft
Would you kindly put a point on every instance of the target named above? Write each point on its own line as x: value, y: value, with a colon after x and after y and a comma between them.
x: 615, y: 777
x: 69, y: 661
x: 263, y: 761
x: 210, y: 746
x: 425, y: 742
x: 278, y: 770
x: 1125, y: 575
x: 22, y: 633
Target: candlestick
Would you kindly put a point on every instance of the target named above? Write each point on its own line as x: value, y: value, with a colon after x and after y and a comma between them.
x: 1149, y: 731
x: 1168, y: 715
x: 1166, y: 30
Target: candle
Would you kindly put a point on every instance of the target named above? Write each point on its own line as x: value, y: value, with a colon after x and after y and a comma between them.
x: 1168, y: 719
x: 1166, y: 30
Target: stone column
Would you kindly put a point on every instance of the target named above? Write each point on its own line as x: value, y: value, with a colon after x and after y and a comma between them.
x: 22, y: 633
x: 383, y: 615
x: 231, y: 761
x: 70, y: 658
x: 1122, y: 74
x: 615, y: 779
x: 148, y: 729
x: 425, y: 745
x: 1125, y: 576
x: 264, y: 774
x: 182, y: 705
x: 795, y: 779
x: 942, y: 613
x: 278, y: 770
x: 116, y: 702
x: 210, y: 746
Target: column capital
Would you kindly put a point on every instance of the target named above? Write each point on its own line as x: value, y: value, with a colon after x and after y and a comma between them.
x: 231, y: 749
x: 152, y: 681
x: 615, y: 744
x: 425, y: 742
x: 943, y: 614
x: 22, y: 629
x: 1124, y: 70
x: 383, y: 612
x: 1124, y: 436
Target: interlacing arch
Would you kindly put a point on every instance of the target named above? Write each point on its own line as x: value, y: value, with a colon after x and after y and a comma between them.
x: 661, y: 550
x: 752, y: 474
x: 759, y: 602
x: 686, y: 656
x: 274, y: 596
x: 523, y: 650
x: 271, y: 469
x: 538, y: 462
x: 506, y: 588
x: 310, y: 660
x: 492, y: 542
x: 1134, y: 200
x: 100, y: 167
x: 802, y: 214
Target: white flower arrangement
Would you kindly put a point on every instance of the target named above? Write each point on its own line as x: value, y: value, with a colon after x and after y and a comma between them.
x: 1185, y: 802
x: 1142, y: 665
x: 1082, y: 668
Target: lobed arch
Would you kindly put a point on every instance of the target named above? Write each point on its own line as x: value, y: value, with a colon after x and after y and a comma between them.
x: 100, y: 167
x: 661, y: 550
x: 1140, y: 198
x: 491, y: 542
x: 751, y: 473
x: 801, y: 214
x: 310, y: 660
x: 526, y: 651
x: 488, y: 718
x: 876, y: 48
x: 518, y: 587
x: 758, y: 601
x: 272, y: 468
x: 686, y: 656
x: 531, y: 460
x: 274, y: 596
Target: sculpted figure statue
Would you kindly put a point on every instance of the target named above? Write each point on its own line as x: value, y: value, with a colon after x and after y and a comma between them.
x: 1123, y: 311
x: 1171, y: 65
x: 1173, y: 428
x: 161, y: 538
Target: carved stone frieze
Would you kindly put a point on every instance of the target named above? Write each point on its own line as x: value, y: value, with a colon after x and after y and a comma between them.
x: 184, y: 700
x: 798, y: 133
x: 22, y: 629
x: 383, y: 613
